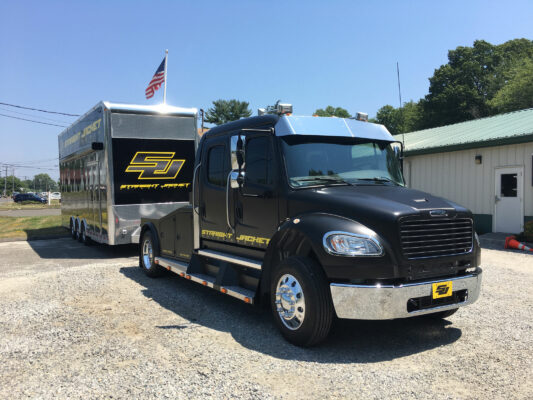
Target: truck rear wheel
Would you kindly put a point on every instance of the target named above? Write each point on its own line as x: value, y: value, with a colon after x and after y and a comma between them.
x: 301, y: 301
x: 147, y: 255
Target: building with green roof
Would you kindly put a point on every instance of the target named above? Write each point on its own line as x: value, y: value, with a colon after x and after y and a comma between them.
x: 484, y: 164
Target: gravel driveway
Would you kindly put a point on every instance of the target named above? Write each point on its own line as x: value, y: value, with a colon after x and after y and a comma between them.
x: 80, y: 322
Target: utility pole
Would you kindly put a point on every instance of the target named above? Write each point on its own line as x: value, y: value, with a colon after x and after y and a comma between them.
x: 202, y: 113
x: 5, y: 183
x: 13, y: 191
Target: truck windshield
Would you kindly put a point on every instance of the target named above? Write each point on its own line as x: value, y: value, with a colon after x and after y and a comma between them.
x: 313, y: 161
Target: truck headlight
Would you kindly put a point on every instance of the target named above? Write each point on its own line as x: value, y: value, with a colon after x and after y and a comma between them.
x: 351, y: 244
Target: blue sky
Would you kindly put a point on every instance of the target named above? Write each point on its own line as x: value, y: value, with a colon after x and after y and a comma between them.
x: 68, y: 55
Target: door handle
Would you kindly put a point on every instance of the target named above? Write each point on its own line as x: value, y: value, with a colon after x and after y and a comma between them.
x: 496, y: 199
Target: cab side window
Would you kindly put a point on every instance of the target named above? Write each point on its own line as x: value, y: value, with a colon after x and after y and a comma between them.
x: 258, y: 161
x: 215, y: 166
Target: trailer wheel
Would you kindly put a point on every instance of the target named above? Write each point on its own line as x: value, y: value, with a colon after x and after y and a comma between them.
x: 147, y: 254
x: 86, y: 240
x: 301, y: 301
x: 73, y: 229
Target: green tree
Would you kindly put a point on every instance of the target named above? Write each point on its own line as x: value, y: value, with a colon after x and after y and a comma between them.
x: 517, y: 94
x: 463, y: 88
x: 12, y: 182
x: 400, y: 120
x: 331, y: 111
x: 227, y: 110
x: 43, y: 182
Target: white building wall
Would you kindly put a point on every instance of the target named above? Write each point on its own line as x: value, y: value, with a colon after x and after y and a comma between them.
x: 456, y: 176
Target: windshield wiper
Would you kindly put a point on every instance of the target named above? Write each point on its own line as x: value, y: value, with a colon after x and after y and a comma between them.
x: 332, y: 179
x: 378, y: 179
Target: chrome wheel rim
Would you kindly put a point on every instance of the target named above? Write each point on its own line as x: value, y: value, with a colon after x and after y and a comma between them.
x: 83, y: 237
x: 148, y: 254
x: 72, y: 230
x: 290, y: 302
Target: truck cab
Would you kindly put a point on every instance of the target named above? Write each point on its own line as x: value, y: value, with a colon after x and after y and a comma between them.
x: 311, y: 216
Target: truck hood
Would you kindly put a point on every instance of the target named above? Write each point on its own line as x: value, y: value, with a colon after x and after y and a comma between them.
x: 374, y: 205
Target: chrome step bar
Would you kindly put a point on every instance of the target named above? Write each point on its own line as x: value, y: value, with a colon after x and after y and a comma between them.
x: 180, y: 268
x: 246, y: 262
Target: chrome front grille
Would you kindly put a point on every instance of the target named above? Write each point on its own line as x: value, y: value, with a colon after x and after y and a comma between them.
x: 436, y: 237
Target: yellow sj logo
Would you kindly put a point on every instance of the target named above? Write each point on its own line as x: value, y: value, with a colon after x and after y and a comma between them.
x: 155, y: 165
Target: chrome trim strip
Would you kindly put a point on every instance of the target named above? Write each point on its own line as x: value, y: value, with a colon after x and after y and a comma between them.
x: 247, y: 262
x: 376, y: 302
x: 227, y: 202
x: 174, y: 265
x: 358, y: 235
x: 195, y: 212
x: 180, y: 268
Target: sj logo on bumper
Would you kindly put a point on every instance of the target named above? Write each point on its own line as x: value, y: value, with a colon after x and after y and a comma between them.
x: 442, y: 289
x: 155, y: 165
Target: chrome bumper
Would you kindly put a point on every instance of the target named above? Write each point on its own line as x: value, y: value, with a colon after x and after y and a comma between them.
x: 389, y: 302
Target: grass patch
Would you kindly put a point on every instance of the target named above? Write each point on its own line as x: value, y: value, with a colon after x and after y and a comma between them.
x: 30, y: 227
x: 25, y: 205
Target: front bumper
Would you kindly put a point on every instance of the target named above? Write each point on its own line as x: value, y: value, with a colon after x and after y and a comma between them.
x: 390, y: 301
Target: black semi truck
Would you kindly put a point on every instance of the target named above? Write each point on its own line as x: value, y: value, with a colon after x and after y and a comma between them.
x: 311, y: 215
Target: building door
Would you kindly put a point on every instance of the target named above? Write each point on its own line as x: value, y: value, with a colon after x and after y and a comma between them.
x: 509, y: 200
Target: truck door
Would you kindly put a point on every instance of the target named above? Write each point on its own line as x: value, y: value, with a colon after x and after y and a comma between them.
x: 256, y: 203
x: 212, y: 182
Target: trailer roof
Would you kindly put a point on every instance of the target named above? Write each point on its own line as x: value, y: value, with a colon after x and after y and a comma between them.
x: 150, y: 109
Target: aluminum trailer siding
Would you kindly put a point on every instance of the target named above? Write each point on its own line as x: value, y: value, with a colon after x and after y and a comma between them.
x: 122, y: 162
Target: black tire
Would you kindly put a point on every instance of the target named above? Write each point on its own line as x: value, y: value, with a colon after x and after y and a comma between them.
x: 312, y: 285
x: 86, y: 240
x: 441, y: 314
x: 147, y: 263
x: 73, y: 229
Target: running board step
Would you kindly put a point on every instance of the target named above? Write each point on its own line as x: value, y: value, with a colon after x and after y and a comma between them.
x: 180, y: 268
x: 246, y: 262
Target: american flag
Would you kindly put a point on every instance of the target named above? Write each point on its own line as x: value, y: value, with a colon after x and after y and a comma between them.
x: 157, y: 80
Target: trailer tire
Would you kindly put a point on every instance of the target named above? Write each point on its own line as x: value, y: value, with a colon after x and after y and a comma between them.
x: 86, y: 240
x: 301, y: 301
x: 73, y: 229
x: 147, y: 253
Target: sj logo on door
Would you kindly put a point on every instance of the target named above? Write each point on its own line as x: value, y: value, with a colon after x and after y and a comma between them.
x: 155, y: 165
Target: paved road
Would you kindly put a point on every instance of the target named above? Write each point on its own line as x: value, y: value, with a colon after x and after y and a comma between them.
x: 30, y: 213
x: 85, y: 322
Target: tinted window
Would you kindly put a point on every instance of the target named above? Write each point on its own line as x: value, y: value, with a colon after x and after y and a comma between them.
x: 258, y: 155
x: 215, y: 166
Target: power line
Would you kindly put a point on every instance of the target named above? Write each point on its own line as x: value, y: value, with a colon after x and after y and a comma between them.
x: 30, y: 167
x: 31, y: 115
x: 31, y: 120
x: 37, y: 109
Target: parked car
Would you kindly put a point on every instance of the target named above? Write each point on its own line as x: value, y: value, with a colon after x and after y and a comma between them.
x: 55, y: 196
x: 14, y: 195
x: 28, y: 197
x: 43, y: 195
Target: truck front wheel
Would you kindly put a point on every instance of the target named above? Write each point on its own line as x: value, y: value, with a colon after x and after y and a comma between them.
x: 301, y: 301
x: 147, y: 255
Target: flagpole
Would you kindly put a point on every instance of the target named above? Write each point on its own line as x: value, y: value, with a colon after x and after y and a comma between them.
x: 165, y: 91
